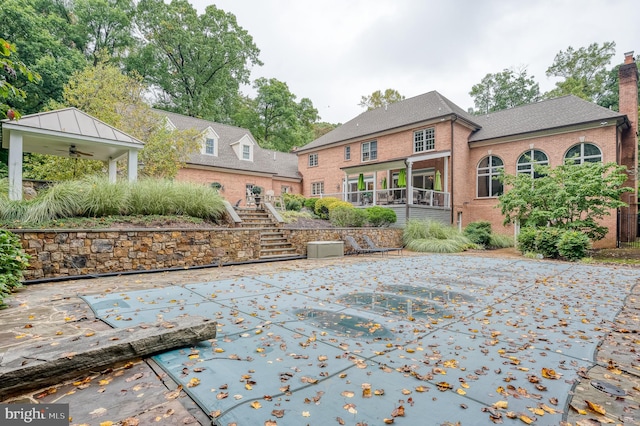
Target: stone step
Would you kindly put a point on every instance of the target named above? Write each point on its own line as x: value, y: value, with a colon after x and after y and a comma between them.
x: 278, y: 251
x: 280, y: 256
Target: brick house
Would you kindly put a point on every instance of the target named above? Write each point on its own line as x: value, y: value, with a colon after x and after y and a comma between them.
x: 425, y: 157
x: 232, y: 160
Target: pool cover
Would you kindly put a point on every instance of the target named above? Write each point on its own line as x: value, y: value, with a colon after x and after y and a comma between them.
x: 423, y: 340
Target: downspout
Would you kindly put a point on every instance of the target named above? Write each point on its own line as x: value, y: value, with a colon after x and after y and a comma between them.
x: 453, y: 120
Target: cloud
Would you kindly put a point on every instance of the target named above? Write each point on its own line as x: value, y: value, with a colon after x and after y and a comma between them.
x: 334, y: 51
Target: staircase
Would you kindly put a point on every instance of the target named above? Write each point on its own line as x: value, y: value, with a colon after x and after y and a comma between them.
x: 273, y: 243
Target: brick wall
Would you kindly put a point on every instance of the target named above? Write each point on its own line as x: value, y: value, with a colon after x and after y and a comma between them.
x: 234, y: 184
x: 84, y: 252
x: 392, y: 146
x: 555, y: 146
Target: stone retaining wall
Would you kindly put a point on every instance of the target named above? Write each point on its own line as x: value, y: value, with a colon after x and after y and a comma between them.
x: 61, y: 253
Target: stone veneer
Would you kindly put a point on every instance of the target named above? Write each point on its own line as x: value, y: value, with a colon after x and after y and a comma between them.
x: 65, y: 253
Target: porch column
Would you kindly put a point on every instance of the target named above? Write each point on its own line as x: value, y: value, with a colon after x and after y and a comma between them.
x: 132, y: 165
x: 113, y: 170
x: 409, y: 183
x: 445, y: 180
x: 15, y: 165
x: 375, y: 189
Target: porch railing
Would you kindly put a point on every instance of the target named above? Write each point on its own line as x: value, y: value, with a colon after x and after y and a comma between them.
x: 382, y: 197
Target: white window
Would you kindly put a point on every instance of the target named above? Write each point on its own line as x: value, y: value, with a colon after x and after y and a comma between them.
x: 529, y: 159
x: 584, y: 153
x: 210, y: 146
x: 424, y: 140
x: 369, y: 151
x: 317, y: 188
x: 347, y: 153
x: 313, y: 159
x: 489, y: 184
x: 246, y: 152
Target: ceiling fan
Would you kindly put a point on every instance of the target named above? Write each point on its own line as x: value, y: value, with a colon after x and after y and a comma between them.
x: 74, y: 153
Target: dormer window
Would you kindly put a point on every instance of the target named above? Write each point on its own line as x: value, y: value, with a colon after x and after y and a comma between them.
x: 209, y: 146
x: 246, y: 152
x: 210, y: 141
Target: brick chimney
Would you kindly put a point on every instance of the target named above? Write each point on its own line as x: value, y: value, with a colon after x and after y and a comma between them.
x: 628, y: 154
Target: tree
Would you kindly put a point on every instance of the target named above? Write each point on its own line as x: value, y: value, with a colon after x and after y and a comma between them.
x: 105, y: 25
x: 503, y: 90
x: 9, y: 70
x: 274, y: 117
x: 378, y: 99
x: 570, y: 197
x: 195, y: 63
x: 107, y: 94
x: 584, y: 71
x: 39, y: 29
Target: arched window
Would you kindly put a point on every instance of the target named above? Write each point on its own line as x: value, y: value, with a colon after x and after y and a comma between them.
x: 584, y: 153
x: 529, y: 159
x: 489, y: 170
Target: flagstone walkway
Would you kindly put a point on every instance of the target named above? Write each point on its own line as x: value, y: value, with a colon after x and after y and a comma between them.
x: 419, y: 339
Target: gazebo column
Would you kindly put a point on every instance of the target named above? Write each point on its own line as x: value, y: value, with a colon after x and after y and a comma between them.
x: 113, y: 170
x: 15, y: 166
x: 132, y: 165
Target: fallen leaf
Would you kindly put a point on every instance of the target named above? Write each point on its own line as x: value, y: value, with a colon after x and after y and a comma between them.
x: 256, y: 405
x: 278, y: 413
x: 526, y: 419
x: 595, y: 407
x: 501, y: 405
x: 549, y: 373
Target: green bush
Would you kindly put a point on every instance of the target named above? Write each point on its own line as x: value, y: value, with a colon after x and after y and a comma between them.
x: 324, y: 206
x: 13, y: 261
x: 547, y: 241
x: 310, y: 203
x: 527, y: 240
x: 573, y: 245
x: 380, y: 216
x: 293, y: 202
x: 479, y: 233
x: 347, y: 217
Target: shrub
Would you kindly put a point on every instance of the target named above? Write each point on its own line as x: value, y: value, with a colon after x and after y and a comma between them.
x: 547, y: 241
x: 573, y: 245
x: 347, y: 217
x: 435, y: 237
x: 479, y: 233
x: 527, y: 240
x: 324, y: 206
x: 13, y: 261
x: 310, y: 203
x: 294, y: 205
x: 380, y: 216
x: 293, y: 202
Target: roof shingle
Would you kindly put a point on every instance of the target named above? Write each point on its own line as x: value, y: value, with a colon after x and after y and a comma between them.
x: 277, y: 163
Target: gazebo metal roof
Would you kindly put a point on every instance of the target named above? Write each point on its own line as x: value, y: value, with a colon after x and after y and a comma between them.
x: 67, y: 132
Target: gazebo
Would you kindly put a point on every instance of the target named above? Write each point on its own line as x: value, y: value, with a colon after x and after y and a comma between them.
x: 67, y: 132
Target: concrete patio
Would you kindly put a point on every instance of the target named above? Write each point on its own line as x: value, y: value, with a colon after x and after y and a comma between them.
x: 419, y: 339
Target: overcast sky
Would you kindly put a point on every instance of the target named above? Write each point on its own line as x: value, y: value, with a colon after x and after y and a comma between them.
x: 335, y: 51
